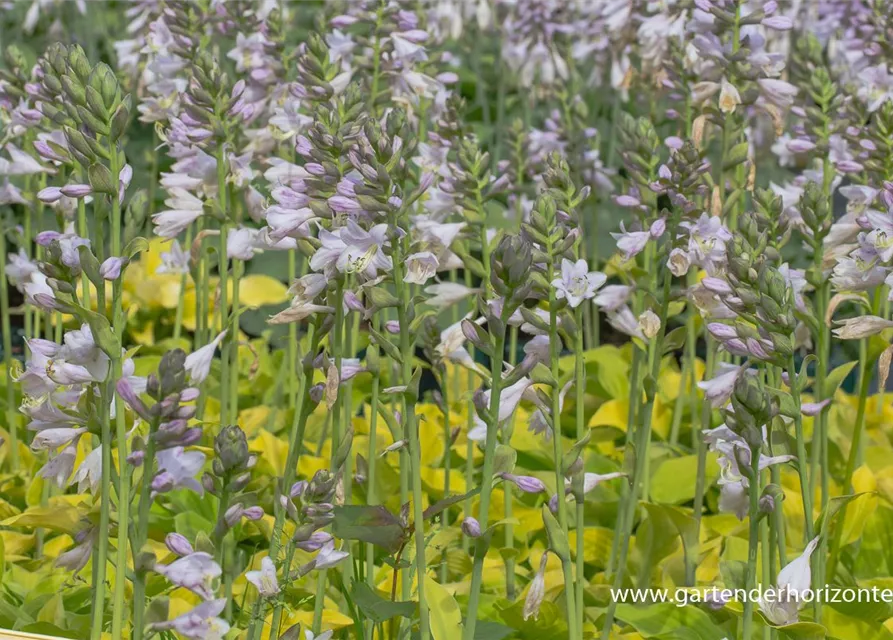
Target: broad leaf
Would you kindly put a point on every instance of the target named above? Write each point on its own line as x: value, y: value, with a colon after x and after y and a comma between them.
x: 373, y: 524
x: 379, y: 609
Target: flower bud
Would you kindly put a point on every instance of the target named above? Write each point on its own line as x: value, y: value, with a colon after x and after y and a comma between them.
x: 315, y: 542
x: 233, y: 515
x: 253, y: 513
x: 231, y: 447
x: 649, y: 324
x: 178, y: 544
x: 471, y: 527
x: 527, y: 484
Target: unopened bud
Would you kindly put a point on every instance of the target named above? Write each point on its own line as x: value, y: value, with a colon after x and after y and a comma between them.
x: 471, y: 527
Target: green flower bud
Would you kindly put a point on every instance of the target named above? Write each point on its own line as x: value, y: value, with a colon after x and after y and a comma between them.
x: 752, y: 398
x: 74, y: 90
x: 101, y: 179
x: 78, y: 62
x: 14, y: 58
x: 231, y: 448
x: 171, y: 373
x: 120, y: 118
x: 56, y: 56
x: 135, y: 216
x: 103, y: 79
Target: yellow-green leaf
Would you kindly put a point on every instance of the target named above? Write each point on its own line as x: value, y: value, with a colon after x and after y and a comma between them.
x: 446, y: 617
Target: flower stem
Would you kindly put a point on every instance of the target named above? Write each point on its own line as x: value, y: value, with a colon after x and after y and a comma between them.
x: 223, y: 270
x: 643, y: 437
x: 411, y: 434
x: 101, y: 557
x: 554, y: 356
x: 507, y: 487
x: 372, y: 453
x: 233, y: 348
x: 633, y: 400
x: 124, y: 475
x: 178, y: 317
x: 447, y: 464
x: 482, y: 543
x: 291, y: 344
x: 801, y: 452
x: 319, y: 601
x: 580, y: 386
x: 701, y: 446
x: 847, y: 486
x: 296, y: 442
x: 141, y: 532
x: 750, y: 577
x: 11, y: 422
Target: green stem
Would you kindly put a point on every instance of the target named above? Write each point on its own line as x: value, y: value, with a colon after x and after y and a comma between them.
x: 101, y: 557
x: 847, y: 487
x: 687, y: 374
x: 701, y: 446
x: 84, y: 233
x: 178, y: 317
x: 482, y: 543
x: 411, y: 434
x: 557, y: 455
x: 750, y: 577
x: 141, y: 534
x: 635, y: 392
x: 295, y: 445
x: 376, y: 57
x: 801, y: 452
x: 124, y: 475
x: 319, y: 601
x: 11, y: 422
x: 372, y: 452
x: 507, y: 487
x: 820, y: 462
x: 447, y: 465
x: 643, y: 437
x: 580, y: 386
x: 223, y: 270
x: 234, y: 345
x: 291, y: 345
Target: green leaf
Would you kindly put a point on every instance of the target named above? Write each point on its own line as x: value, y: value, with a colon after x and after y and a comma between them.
x: 486, y: 630
x: 803, y: 631
x: 386, y: 345
x: 157, y: 611
x: 666, y: 620
x: 377, y: 608
x: 373, y: 524
x: 673, y: 482
x: 834, y: 379
x: 190, y: 523
x: 550, y: 623
x: 675, y: 340
x: 786, y: 405
x: 834, y: 506
x: 609, y: 369
x: 504, y: 459
x: 844, y: 626
x: 557, y: 538
x: 90, y: 265
x: 292, y: 633
x: 446, y: 503
x: 445, y: 615
x: 135, y: 246
x: 673, y: 519
x: 62, y: 518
